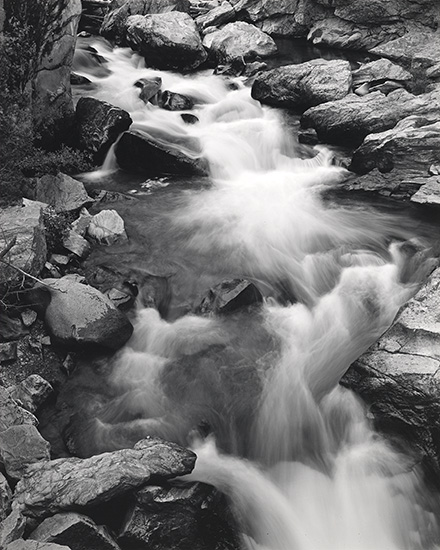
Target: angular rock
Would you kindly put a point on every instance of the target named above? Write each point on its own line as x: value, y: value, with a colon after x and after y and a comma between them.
x: 192, y: 516
x: 107, y: 227
x: 11, y: 529
x: 99, y: 125
x: 303, y: 85
x: 230, y: 295
x: 350, y: 119
x: 8, y: 352
x: 5, y: 498
x: 166, y: 40
x: 21, y: 544
x: 75, y: 530
x: 32, y: 392
x: 25, y: 223
x: 73, y: 242
x: 11, y: 414
x: 422, y: 48
x: 72, y: 483
x: 81, y: 224
x: 28, y: 317
x: 80, y: 315
x: 413, y: 144
x: 150, y: 88
x: 21, y: 446
x: 429, y: 192
x: 137, y: 151
x: 239, y: 40
x: 62, y: 193
x: 216, y: 17
x: 172, y: 101
x: 113, y: 25
x: 380, y: 70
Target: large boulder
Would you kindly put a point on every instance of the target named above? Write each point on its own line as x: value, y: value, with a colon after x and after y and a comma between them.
x: 350, y: 119
x: 71, y: 484
x: 62, y: 193
x: 398, y: 376
x: 167, y: 40
x: 138, y: 151
x: 99, y: 125
x: 304, y: 85
x: 413, y: 144
x: 78, y: 315
x: 239, y: 40
x: 113, y: 25
x: 25, y: 224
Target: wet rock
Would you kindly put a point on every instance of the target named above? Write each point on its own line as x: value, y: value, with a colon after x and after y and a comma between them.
x: 62, y: 193
x: 413, y: 144
x: 79, y: 315
x: 350, y: 119
x: 28, y: 317
x: 138, y: 151
x: 398, y: 376
x: 99, y: 125
x: 72, y: 483
x: 303, y: 85
x: 11, y: 414
x: 217, y: 16
x: 308, y: 136
x: 21, y: 544
x: 21, y: 446
x: 172, y: 101
x: 73, y: 242
x: 8, y: 352
x: 422, y: 48
x: 380, y: 70
x: 107, y: 227
x: 230, y: 295
x: 25, y: 223
x: 75, y: 530
x: 11, y: 529
x: 189, y: 118
x: 239, y: 40
x: 113, y: 25
x: 150, y: 88
x: 191, y: 516
x: 166, y: 40
x: 429, y: 192
x: 5, y: 498
x: 79, y: 80
x: 32, y: 392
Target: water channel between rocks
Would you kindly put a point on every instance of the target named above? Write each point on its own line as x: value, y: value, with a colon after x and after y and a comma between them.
x: 292, y: 449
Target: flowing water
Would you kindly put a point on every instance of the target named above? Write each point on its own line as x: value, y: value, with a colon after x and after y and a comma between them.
x: 293, y: 450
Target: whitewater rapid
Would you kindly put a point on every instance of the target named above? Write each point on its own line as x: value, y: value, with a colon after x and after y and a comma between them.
x: 300, y: 462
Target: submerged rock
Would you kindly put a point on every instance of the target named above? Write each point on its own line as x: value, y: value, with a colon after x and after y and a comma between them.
x: 229, y: 296
x: 172, y: 101
x: 150, y: 88
x: 99, y: 125
x: 139, y: 152
x: 167, y: 40
x: 79, y: 315
x: 239, y: 40
x: 62, y: 193
x: 303, y: 85
x: 73, y: 483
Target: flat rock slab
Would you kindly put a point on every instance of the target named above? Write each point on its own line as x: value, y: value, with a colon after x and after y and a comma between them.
x: 421, y: 47
x: 72, y: 483
x: 429, y: 192
x: 303, y: 85
x: 62, y: 193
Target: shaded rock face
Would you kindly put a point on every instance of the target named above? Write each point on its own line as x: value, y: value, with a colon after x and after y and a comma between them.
x: 167, y: 40
x: 99, y: 125
x: 216, y: 17
x: 113, y: 25
x: 62, y: 193
x: 137, y: 151
x: 398, y: 376
x: 72, y: 483
x: 413, y: 144
x: 350, y: 119
x: 304, y: 85
x: 79, y: 315
x: 190, y: 516
x: 239, y: 40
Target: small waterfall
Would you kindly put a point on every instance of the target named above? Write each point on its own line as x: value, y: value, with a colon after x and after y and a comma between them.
x: 298, y: 458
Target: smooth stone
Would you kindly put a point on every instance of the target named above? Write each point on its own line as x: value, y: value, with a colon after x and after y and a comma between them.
x: 107, y: 227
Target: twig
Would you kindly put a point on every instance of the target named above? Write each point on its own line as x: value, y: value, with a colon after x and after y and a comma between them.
x: 8, y: 247
x: 30, y: 276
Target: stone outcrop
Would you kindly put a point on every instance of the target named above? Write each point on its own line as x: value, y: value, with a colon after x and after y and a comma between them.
x: 70, y: 484
x: 63, y: 193
x: 303, y: 85
x: 350, y: 119
x: 413, y: 144
x: 80, y: 315
x: 137, y: 151
x: 239, y: 40
x: 99, y: 125
x: 166, y: 40
x: 113, y: 25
